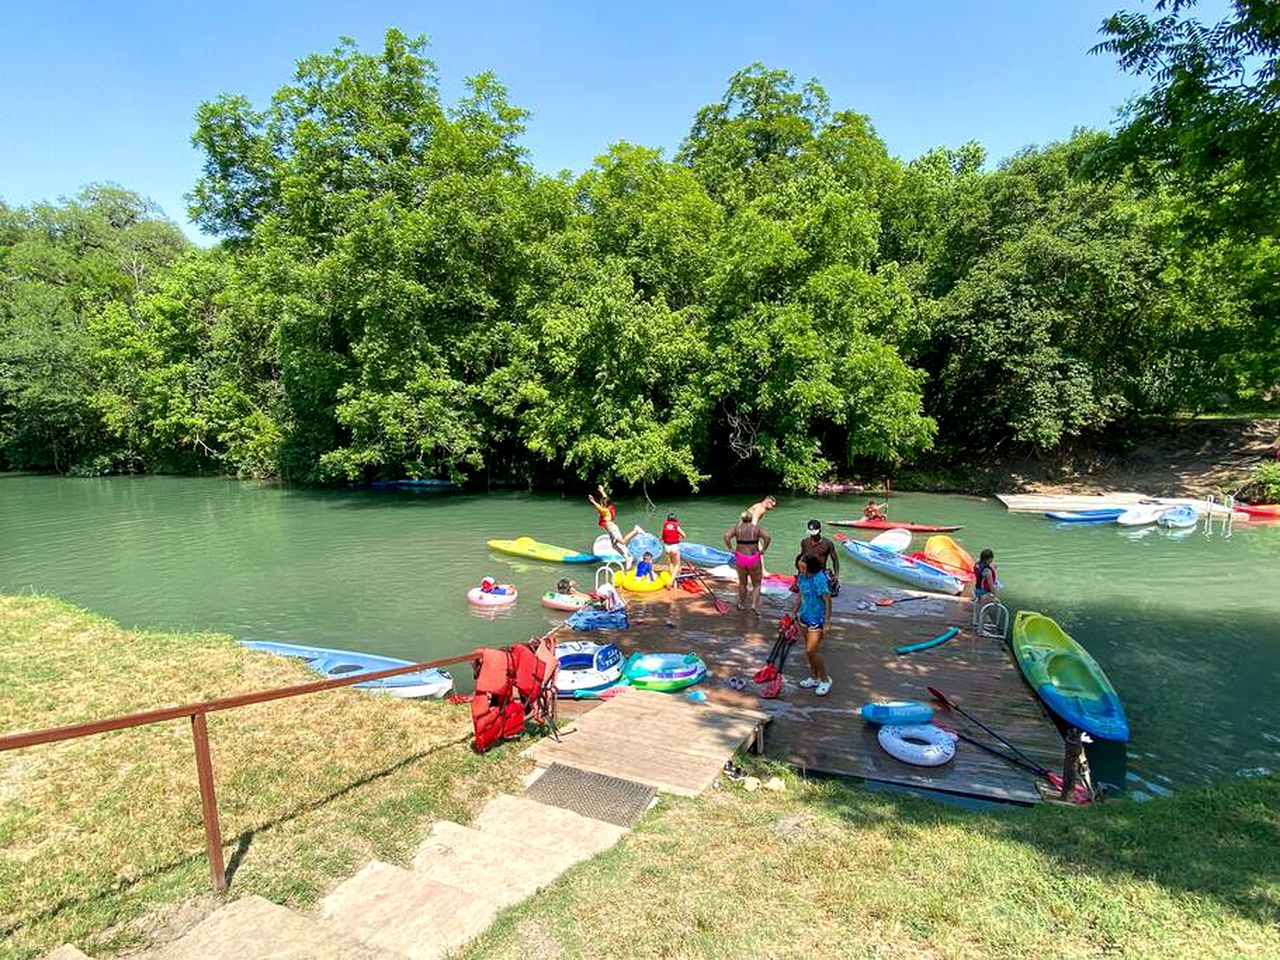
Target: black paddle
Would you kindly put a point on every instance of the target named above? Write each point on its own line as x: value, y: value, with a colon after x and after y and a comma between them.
x: 951, y: 704
x: 1008, y: 757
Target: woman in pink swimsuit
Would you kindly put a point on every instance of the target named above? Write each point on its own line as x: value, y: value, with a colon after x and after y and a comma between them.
x: 748, y: 541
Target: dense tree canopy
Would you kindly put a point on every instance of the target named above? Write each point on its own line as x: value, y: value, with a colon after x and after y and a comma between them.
x: 398, y: 292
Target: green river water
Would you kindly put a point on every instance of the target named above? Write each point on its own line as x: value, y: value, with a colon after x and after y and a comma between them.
x: 1186, y: 626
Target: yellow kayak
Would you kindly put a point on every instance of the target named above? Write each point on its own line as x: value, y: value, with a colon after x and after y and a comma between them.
x: 536, y: 550
x: 629, y: 581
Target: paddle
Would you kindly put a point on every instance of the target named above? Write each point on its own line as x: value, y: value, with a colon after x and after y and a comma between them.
x: 721, y: 606
x: 952, y: 705
x: 1010, y: 758
x: 890, y: 601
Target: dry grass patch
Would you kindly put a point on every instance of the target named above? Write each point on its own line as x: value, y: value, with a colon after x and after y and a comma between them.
x: 98, y: 834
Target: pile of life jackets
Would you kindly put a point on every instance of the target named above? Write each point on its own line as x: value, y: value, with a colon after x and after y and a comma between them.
x: 514, y: 685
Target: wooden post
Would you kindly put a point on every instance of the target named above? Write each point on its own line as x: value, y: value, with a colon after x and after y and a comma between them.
x: 208, y: 801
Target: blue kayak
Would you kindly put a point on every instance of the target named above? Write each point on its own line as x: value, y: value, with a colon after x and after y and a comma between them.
x: 1102, y: 515
x: 904, y: 568
x: 703, y: 555
x: 903, y: 712
x: 1179, y: 517
x: 332, y: 664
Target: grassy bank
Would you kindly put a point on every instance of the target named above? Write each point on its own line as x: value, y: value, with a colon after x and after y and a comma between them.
x: 101, y: 844
x: 100, y: 837
x: 834, y: 870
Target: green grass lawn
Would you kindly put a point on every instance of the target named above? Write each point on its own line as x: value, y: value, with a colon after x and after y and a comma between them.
x: 101, y: 842
x: 828, y: 869
x: 99, y: 837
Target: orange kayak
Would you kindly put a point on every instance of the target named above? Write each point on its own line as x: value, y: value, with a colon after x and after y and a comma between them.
x: 945, y: 554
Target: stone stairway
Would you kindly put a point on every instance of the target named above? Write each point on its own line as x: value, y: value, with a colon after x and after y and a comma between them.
x: 461, y: 878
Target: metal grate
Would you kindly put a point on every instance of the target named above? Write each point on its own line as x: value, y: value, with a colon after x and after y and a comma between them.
x: 594, y: 795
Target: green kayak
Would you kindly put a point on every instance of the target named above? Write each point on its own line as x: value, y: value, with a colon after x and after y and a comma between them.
x: 1068, y: 680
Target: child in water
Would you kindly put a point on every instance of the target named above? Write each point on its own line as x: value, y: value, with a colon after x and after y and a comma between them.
x: 985, y: 583
x: 490, y: 585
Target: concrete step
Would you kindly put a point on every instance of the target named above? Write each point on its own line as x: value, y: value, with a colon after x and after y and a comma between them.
x: 518, y: 818
x: 252, y: 928
x: 407, y: 913
x: 506, y: 870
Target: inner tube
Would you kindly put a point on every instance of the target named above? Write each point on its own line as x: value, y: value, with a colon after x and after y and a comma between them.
x: 937, y: 641
x: 478, y: 598
x: 920, y: 744
x: 562, y: 601
x: 586, y: 666
x: 664, y: 671
x: 629, y: 581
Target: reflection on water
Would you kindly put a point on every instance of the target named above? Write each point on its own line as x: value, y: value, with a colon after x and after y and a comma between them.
x: 1187, y: 626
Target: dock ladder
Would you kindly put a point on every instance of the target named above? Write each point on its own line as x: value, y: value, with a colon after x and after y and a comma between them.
x: 991, y: 619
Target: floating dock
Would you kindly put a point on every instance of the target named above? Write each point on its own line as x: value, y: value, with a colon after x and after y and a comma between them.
x: 827, y: 735
x: 1045, y: 502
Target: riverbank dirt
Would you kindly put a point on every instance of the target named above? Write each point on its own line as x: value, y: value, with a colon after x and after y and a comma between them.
x: 1176, y: 458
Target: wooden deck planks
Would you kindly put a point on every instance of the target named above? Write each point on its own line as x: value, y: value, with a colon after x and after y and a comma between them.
x: 658, y: 739
x: 827, y: 735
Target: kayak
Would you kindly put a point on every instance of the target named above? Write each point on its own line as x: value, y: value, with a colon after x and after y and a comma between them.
x: 1102, y: 515
x: 535, y: 550
x: 664, y: 671
x: 1179, y: 517
x: 627, y: 580
x: 1264, y: 511
x: 333, y: 664
x: 1068, y: 680
x: 914, y: 572
x: 895, y: 525
x: 704, y: 555
x: 897, y: 711
x: 830, y: 488
x: 589, y: 618
x: 945, y: 552
x: 586, y: 666
x: 895, y: 540
x: 1140, y: 516
x: 563, y: 601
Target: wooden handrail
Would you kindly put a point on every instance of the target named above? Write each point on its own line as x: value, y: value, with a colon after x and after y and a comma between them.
x: 200, y: 737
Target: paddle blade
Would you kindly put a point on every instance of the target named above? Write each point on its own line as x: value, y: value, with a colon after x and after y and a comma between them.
x: 941, y: 697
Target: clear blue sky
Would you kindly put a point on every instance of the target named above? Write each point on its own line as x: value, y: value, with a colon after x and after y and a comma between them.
x: 106, y: 91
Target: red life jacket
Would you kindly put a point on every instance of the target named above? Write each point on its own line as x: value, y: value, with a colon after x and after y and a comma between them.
x: 670, y: 531
x: 513, y: 685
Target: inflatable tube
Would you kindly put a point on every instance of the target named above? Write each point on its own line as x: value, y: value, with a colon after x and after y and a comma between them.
x: 664, y: 671
x: 629, y: 581
x: 587, y: 667
x: 478, y: 598
x: 589, y: 618
x: 920, y: 744
x: 937, y: 641
x: 562, y: 601
x: 897, y: 712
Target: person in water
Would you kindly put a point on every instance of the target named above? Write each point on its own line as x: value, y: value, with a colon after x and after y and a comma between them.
x: 569, y: 588
x: 490, y: 585
x: 985, y: 583
x: 758, y: 510
x: 609, y: 597
x: 748, y: 541
x: 812, y: 607
x: 874, y: 511
x: 816, y: 545
x: 608, y: 520
x: 671, y: 537
x: 644, y: 569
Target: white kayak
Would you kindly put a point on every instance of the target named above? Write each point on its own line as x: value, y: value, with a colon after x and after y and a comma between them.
x: 895, y: 540
x: 1141, y: 515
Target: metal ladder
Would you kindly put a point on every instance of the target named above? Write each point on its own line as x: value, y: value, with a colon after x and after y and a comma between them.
x: 991, y: 619
x: 605, y: 572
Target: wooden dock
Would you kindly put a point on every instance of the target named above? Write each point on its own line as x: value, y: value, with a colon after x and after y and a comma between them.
x: 1043, y: 502
x: 658, y: 739
x: 827, y: 734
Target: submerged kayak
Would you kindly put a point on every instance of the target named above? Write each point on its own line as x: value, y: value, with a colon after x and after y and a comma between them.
x: 536, y: 550
x: 893, y: 524
x: 1101, y: 515
x: 333, y: 664
x: 704, y: 555
x: 910, y: 571
x: 1067, y: 678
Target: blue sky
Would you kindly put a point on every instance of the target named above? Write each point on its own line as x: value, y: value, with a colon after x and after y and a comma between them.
x: 106, y: 91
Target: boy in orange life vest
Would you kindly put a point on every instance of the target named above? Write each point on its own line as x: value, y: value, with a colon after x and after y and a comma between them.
x: 671, y: 537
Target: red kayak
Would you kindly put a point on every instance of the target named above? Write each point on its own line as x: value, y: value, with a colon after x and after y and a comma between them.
x: 1263, y: 511
x: 894, y: 525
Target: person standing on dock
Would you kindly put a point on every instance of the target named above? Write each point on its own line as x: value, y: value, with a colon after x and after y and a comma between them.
x: 812, y: 608
x: 748, y: 541
x: 816, y: 545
